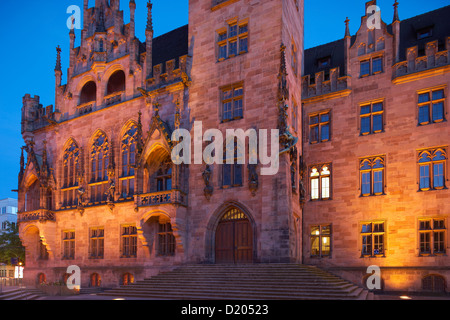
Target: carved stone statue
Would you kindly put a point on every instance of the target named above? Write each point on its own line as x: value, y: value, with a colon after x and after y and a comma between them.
x: 207, y: 179
x: 253, y: 178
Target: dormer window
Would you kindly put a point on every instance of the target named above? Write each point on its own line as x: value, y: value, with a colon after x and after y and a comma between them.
x: 324, y: 62
x: 424, y: 33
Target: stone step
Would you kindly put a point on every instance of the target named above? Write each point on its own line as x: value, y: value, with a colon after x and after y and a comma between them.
x: 249, y: 284
x: 273, y: 281
x: 22, y: 294
x: 238, y: 295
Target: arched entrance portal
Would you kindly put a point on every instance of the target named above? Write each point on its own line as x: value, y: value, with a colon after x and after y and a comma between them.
x: 234, y: 238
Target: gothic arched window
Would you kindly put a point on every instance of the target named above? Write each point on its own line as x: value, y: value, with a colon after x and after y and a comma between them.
x: 128, y: 161
x: 99, y: 168
x: 71, y: 166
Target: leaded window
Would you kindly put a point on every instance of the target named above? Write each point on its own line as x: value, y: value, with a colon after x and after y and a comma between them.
x: 431, y: 106
x: 432, y: 234
x: 373, y: 239
x: 129, y: 241
x: 71, y: 166
x: 320, y: 182
x: 99, y: 165
x: 372, y: 176
x: 128, y: 162
x: 432, y: 167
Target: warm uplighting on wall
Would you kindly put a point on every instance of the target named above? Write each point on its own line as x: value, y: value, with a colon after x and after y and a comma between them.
x: 405, y: 298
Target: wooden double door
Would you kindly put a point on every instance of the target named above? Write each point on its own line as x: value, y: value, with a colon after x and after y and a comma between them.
x: 234, y: 241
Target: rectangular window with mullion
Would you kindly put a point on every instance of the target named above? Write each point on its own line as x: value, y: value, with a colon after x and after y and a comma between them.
x: 319, y: 127
x: 432, y: 234
x: 232, y: 102
x: 372, y: 118
x: 431, y: 106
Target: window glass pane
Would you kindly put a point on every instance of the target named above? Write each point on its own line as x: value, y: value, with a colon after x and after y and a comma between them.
x: 222, y: 36
x: 424, y: 177
x: 424, y: 114
x: 425, y: 157
x: 365, y: 109
x: 365, y: 187
x: 223, y: 51
x: 243, y: 44
x: 438, y: 111
x: 365, y: 125
x: 366, y: 228
x: 378, y: 182
x: 325, y: 188
x: 233, y: 48
x: 439, y: 94
x: 237, y: 174
x: 438, y: 224
x: 325, y: 133
x: 314, y: 120
x: 314, y: 134
x: 314, y: 172
x: 438, y: 156
x: 315, y: 246
x: 243, y: 29
x: 377, y: 123
x: 315, y: 231
x: 365, y: 68
x: 438, y: 175
x: 324, y: 117
x: 238, y: 108
x: 377, y: 65
x: 314, y: 189
x: 326, y: 248
x: 425, y: 225
x: 233, y: 30
x: 377, y: 107
x: 424, y: 97
x: 227, y: 175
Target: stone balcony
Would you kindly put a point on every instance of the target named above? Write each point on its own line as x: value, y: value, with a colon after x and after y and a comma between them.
x: 86, y: 108
x: 170, y: 197
x: 41, y: 215
x: 114, y: 98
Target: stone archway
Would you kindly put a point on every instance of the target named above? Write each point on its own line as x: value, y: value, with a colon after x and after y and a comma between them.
x: 231, y: 236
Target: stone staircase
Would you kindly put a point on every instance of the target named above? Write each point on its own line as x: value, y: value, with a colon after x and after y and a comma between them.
x: 243, y: 282
x: 21, y: 294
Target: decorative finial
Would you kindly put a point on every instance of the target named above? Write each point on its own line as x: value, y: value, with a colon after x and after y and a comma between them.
x: 396, y: 17
x: 149, y: 16
x: 347, y: 28
x: 58, y: 59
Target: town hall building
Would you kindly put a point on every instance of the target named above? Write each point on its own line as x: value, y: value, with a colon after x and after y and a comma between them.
x: 363, y: 134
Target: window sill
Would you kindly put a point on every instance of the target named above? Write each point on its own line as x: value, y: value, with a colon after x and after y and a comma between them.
x: 232, y: 56
x: 432, y: 189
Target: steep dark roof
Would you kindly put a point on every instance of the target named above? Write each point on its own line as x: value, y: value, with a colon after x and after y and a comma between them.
x: 170, y: 45
x: 438, y: 19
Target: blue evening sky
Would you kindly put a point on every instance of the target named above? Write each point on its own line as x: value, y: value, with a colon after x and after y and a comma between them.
x: 31, y: 30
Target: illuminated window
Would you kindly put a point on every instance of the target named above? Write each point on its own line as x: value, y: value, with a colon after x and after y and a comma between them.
x: 432, y: 235
x: 373, y: 239
x: 432, y: 167
x: 319, y: 127
x: 320, y: 178
x: 164, y: 177
x: 320, y: 239
x: 372, y: 176
x: 96, y: 243
x: 371, y: 117
x: 129, y: 241
x: 68, y: 244
x: 431, y: 106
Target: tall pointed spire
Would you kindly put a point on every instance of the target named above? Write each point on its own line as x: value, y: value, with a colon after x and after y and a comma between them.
x: 101, y: 20
x: 22, y: 166
x: 396, y: 17
x: 149, y: 41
